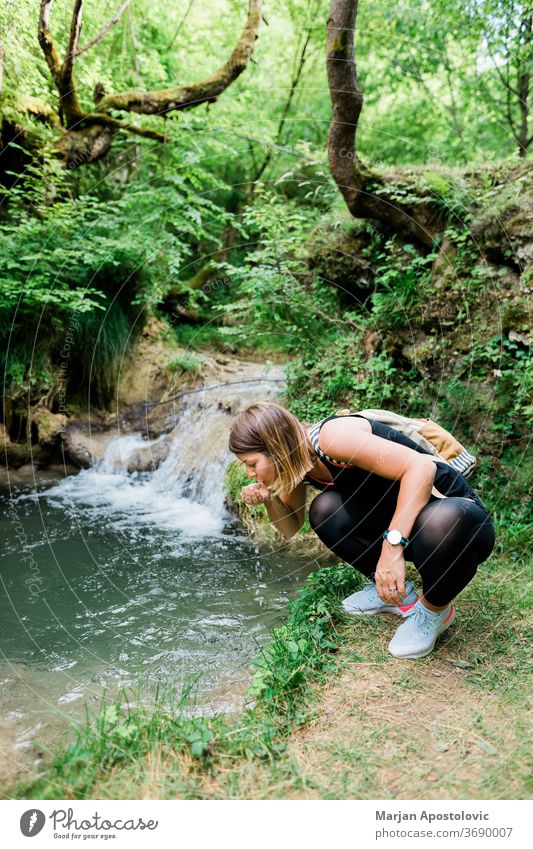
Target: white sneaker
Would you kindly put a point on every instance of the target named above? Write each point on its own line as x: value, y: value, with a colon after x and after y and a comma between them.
x: 367, y: 602
x: 417, y: 636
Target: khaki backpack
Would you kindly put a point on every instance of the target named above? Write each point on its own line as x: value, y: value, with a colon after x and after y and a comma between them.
x: 428, y: 434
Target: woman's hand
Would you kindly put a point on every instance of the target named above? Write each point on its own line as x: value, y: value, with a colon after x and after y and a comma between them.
x: 390, y: 574
x: 255, y: 493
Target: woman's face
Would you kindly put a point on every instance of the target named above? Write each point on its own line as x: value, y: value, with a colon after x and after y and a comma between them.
x: 258, y: 466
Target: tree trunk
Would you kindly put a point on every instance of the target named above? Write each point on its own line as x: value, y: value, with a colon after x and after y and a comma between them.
x: 367, y: 194
x: 523, y: 98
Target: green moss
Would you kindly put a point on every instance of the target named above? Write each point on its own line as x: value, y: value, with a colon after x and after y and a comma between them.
x: 341, y: 43
x: 185, y: 362
x: 254, y: 519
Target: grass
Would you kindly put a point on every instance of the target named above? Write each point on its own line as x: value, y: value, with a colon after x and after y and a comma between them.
x: 333, y: 715
x: 330, y: 714
x: 186, y: 362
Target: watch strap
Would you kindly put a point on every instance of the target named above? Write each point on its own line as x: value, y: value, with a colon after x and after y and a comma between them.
x: 403, y: 541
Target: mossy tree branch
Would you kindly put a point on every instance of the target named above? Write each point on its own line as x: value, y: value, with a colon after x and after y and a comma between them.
x: 89, y: 135
x: 206, y: 91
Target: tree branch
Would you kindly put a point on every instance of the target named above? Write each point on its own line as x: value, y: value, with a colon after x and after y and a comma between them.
x: 454, y: 112
x: 75, y: 30
x: 47, y: 43
x: 180, y: 25
x: 62, y: 73
x: 346, y: 98
x: 1, y: 67
x: 95, y: 119
x: 294, y: 85
x: 135, y: 45
x: 103, y: 32
x: 67, y: 87
x: 89, y: 135
x: 509, y: 113
x: 523, y: 88
x: 504, y: 80
x: 92, y: 140
x: 206, y: 91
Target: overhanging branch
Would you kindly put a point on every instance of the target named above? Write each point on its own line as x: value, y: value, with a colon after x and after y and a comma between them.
x: 206, y: 91
x: 103, y: 32
x: 47, y: 43
x: 88, y: 136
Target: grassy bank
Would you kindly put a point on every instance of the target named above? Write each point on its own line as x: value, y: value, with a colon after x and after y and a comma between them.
x: 331, y: 714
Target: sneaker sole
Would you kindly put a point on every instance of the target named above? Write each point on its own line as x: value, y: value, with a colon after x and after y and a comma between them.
x: 400, y: 610
x: 446, y: 625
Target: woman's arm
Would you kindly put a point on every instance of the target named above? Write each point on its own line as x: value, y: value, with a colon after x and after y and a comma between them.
x: 287, y: 513
x: 347, y: 442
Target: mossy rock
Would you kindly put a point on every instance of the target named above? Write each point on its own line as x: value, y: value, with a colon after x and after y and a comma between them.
x: 48, y: 426
x: 16, y: 454
x: 503, y: 222
x: 336, y: 254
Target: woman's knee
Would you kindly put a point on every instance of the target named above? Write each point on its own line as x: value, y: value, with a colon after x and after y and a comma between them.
x: 323, y: 509
x: 454, y: 523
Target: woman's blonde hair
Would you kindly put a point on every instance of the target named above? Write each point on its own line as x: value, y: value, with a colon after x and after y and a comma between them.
x: 272, y: 430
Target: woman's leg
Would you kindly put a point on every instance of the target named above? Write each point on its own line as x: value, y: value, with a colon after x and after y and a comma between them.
x: 449, y: 540
x: 344, y: 526
x: 355, y: 534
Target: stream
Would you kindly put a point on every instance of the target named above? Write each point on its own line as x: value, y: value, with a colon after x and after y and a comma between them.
x: 129, y: 579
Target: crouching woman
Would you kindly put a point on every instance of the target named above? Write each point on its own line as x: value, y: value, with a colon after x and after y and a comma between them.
x: 383, y: 501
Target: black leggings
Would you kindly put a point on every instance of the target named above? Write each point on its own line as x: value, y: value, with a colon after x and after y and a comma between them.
x: 450, y: 538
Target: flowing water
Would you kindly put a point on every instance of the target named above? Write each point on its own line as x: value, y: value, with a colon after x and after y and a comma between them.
x: 117, y: 579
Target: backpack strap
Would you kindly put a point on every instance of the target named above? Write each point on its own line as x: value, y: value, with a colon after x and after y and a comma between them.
x: 314, y: 435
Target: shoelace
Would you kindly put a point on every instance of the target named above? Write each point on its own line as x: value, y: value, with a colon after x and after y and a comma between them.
x: 420, y: 618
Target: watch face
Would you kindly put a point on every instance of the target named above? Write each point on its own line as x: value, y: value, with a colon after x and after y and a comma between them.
x: 394, y: 537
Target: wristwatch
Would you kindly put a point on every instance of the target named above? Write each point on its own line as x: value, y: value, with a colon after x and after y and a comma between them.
x: 395, y: 537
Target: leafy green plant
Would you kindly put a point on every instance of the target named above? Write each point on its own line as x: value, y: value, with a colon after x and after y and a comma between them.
x: 271, y: 288
x: 402, y: 279
x: 301, y: 649
x: 185, y: 362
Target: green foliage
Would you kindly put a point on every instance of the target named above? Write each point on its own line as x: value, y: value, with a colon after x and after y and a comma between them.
x: 99, y: 344
x: 339, y: 375
x: 105, y: 255
x: 402, y: 280
x: 254, y: 519
x: 236, y: 478
x: 186, y: 362
x: 270, y: 287
x: 510, y: 367
x: 300, y: 650
x: 123, y: 733
x: 46, y: 261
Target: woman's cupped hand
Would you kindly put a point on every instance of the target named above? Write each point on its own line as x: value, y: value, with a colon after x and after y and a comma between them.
x: 255, y: 493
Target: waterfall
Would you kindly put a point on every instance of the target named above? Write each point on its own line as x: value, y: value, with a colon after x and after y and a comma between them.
x: 185, y: 492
